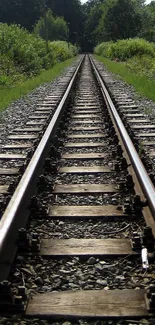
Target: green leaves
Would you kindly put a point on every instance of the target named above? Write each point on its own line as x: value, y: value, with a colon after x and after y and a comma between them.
x: 138, y: 55
x: 125, y: 49
x: 103, y: 49
x: 23, y: 55
x: 55, y: 27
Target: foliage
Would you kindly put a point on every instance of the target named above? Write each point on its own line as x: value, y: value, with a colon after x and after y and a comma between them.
x: 28, y: 12
x: 91, y: 24
x: 24, y: 55
x: 110, y: 20
x: 8, y: 72
x: 143, y: 65
x: 138, y: 54
x: 103, y: 49
x: 23, y: 12
x: 21, y: 47
x: 71, y: 11
x: 125, y: 49
x: 119, y: 20
x: 56, y: 27
x: 148, y: 22
x: 62, y: 51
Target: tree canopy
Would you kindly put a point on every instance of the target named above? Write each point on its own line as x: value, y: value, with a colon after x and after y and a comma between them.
x: 120, y: 20
x: 84, y: 24
x: 22, y: 12
x: 55, y: 27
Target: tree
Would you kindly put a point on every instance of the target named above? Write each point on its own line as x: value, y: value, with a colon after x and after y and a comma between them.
x: 92, y: 3
x: 71, y: 11
x: 22, y: 12
x: 92, y: 22
x: 57, y: 28
x: 148, y: 22
x: 120, y: 20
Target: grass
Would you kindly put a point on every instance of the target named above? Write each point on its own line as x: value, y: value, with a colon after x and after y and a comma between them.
x: 8, y: 95
x: 143, y: 85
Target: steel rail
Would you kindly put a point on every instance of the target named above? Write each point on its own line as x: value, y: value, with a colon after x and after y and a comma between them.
x: 16, y: 213
x: 140, y: 171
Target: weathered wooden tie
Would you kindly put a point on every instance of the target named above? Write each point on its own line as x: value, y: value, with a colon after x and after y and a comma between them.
x: 86, y: 121
x: 89, y: 303
x: 4, y: 189
x: 17, y: 146
x: 83, y: 211
x: 7, y: 156
x: 86, y: 188
x: 133, y: 115
x: 9, y: 171
x: 143, y: 126
x: 85, y: 144
x: 86, y: 116
x: 92, y: 155
x: 146, y: 135
x: 23, y: 136
x: 85, y: 128
x: 86, y: 136
x: 85, y: 170
x: 138, y: 120
x: 86, y: 247
x: 38, y: 117
x: 36, y: 123
x: 37, y: 129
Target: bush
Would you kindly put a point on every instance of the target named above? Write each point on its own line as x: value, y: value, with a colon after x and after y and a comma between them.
x: 19, y: 44
x: 9, y: 73
x: 103, y: 49
x: 138, y: 55
x: 24, y: 55
x: 62, y: 50
x: 125, y: 49
x: 142, y: 65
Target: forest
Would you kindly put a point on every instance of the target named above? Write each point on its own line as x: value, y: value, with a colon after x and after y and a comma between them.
x: 86, y: 24
x: 35, y: 35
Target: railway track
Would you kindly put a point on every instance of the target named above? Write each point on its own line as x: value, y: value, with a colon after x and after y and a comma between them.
x: 81, y: 219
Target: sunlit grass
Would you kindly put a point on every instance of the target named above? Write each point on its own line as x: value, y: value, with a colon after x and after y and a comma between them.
x: 8, y: 95
x: 143, y: 85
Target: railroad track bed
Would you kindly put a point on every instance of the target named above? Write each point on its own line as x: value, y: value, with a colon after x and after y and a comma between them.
x: 80, y: 254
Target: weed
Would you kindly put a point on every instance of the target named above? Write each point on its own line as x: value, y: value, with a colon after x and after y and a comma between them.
x: 148, y: 110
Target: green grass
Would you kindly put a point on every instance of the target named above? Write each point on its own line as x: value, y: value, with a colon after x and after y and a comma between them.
x: 8, y: 95
x: 141, y: 84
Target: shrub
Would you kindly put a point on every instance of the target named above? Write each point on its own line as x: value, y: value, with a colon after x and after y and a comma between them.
x: 142, y: 65
x: 125, y: 49
x: 103, y: 49
x: 9, y: 73
x: 138, y: 55
x: 23, y: 54
x: 62, y: 50
x: 21, y: 46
